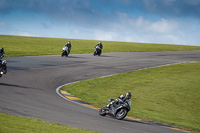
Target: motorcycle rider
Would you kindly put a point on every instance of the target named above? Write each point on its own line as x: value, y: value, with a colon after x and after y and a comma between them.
x: 69, y: 46
x: 2, y: 52
x: 121, y: 99
x: 99, y: 45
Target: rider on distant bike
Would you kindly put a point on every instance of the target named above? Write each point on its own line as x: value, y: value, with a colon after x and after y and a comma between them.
x: 2, y: 52
x: 100, y: 45
x: 121, y: 99
x: 69, y: 46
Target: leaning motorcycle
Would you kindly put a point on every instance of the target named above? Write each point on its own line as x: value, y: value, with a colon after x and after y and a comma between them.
x: 118, y: 110
x: 97, y: 51
x: 3, y: 68
x: 65, y: 51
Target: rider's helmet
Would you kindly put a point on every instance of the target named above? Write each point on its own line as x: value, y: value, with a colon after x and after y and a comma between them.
x: 4, y: 62
x: 128, y: 95
x: 100, y: 43
x: 69, y: 43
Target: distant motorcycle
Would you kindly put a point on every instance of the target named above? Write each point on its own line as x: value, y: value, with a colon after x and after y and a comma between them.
x: 97, y: 50
x: 65, y: 51
x: 118, y: 111
x: 3, y: 68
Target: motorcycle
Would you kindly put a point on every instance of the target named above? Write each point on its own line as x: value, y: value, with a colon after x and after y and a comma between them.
x: 118, y: 110
x: 65, y: 51
x: 97, y: 51
x: 3, y: 68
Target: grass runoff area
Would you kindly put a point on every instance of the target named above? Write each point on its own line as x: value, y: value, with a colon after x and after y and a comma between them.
x: 167, y: 94
x: 16, y: 124
x: 33, y: 46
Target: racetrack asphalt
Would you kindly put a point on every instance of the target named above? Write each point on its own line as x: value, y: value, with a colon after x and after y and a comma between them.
x: 29, y: 87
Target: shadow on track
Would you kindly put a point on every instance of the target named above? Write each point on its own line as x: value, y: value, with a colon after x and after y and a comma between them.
x: 72, y: 57
x: 145, y: 122
x: 17, y: 86
x: 137, y: 121
x: 104, y: 56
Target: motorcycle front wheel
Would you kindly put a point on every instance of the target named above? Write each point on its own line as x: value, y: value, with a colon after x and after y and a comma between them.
x: 121, y: 114
x: 62, y: 54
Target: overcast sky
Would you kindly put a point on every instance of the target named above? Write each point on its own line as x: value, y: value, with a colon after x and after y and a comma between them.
x: 149, y: 21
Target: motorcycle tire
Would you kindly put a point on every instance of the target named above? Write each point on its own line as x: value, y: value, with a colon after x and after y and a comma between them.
x: 102, y: 111
x: 121, y: 113
x: 94, y: 53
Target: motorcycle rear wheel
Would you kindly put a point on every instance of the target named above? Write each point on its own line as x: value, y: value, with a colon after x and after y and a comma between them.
x: 102, y: 111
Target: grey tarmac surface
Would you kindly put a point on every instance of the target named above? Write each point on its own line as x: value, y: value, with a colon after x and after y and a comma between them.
x: 29, y: 87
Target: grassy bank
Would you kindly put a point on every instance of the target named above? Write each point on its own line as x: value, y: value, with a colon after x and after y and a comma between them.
x: 23, y: 46
x: 16, y: 124
x: 168, y: 94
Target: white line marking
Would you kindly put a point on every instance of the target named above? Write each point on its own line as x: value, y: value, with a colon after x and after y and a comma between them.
x: 58, y: 92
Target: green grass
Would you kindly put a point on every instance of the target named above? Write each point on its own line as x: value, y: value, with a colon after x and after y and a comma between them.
x: 168, y: 94
x: 16, y: 124
x: 24, y: 46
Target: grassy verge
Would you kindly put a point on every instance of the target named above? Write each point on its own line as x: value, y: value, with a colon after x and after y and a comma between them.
x: 168, y: 94
x: 16, y: 124
x: 24, y: 46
